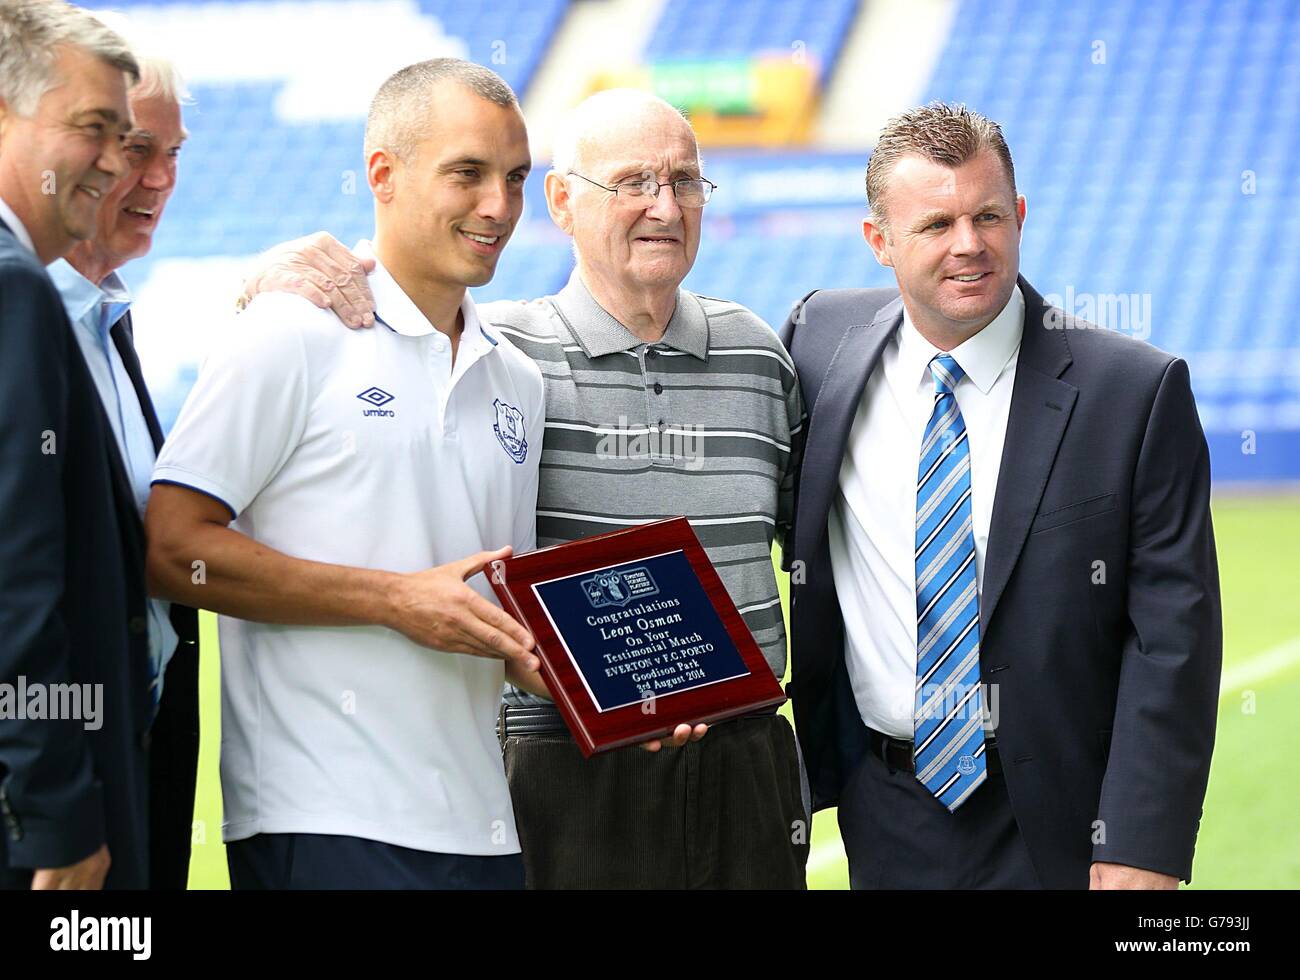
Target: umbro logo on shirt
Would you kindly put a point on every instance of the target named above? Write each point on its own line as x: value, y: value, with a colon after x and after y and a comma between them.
x: 377, y: 397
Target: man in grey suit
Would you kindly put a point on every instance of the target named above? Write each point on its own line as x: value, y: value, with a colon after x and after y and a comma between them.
x: 1006, y: 628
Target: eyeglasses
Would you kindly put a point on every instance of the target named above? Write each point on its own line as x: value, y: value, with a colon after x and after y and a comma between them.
x: 691, y: 192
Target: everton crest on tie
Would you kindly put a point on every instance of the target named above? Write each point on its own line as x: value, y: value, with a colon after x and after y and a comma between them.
x: 509, y: 428
x: 949, y: 723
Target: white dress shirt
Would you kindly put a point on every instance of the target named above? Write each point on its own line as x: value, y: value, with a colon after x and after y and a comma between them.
x: 872, y: 520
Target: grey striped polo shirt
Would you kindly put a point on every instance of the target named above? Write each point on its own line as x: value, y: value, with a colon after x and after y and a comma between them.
x: 706, y: 423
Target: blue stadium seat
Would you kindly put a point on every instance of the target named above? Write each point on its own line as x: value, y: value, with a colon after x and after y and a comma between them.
x: 1171, y: 170
x: 509, y: 36
x: 689, y: 29
x: 1136, y: 168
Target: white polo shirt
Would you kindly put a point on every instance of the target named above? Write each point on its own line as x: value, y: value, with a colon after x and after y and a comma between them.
x: 363, y: 448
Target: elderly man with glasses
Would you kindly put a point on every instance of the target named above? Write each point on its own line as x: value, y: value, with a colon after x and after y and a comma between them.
x: 659, y: 402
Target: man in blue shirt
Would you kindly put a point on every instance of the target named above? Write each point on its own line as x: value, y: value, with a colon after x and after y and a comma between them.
x: 98, y: 306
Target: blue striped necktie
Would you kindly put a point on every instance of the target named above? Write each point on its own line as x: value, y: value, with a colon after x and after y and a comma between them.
x: 949, y: 733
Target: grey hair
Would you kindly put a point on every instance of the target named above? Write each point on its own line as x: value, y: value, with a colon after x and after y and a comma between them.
x: 160, y: 78
x: 398, y: 118
x: 941, y: 133
x: 31, y: 31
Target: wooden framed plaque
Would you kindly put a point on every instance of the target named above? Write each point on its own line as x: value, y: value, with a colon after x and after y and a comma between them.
x: 636, y: 634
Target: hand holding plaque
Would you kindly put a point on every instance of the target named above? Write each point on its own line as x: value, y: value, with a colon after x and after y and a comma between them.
x: 636, y: 634
x: 679, y: 737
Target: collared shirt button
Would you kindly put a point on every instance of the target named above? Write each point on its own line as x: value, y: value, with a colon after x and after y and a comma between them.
x: 659, y: 389
x: 650, y: 352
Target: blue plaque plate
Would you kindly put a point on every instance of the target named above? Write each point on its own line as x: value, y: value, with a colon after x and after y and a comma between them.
x: 636, y: 634
x: 641, y: 630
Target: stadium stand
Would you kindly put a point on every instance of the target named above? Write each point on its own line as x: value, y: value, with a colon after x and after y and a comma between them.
x: 690, y: 30
x: 506, y: 35
x: 1158, y: 143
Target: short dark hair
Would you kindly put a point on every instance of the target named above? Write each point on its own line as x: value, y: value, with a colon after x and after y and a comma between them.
x: 398, y: 118
x: 940, y: 132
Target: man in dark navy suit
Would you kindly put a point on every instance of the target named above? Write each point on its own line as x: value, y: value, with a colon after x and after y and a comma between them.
x: 1006, y: 635
x: 73, y: 783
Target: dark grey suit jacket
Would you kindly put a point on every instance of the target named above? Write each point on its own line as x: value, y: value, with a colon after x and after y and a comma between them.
x: 1099, y: 614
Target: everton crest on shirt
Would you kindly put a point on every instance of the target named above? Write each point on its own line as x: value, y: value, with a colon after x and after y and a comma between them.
x: 510, y: 432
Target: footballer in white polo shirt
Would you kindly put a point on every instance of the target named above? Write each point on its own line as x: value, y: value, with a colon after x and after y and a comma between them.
x: 335, y: 495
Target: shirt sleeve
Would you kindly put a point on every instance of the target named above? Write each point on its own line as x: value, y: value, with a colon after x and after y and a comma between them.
x: 248, y: 409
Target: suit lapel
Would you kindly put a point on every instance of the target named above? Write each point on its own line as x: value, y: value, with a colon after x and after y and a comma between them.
x: 855, y: 358
x: 124, y: 340
x: 123, y: 493
x: 184, y: 619
x: 1040, y: 410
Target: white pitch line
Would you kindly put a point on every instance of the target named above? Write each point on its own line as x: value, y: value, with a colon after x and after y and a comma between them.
x: 1260, y: 667
x: 1284, y: 656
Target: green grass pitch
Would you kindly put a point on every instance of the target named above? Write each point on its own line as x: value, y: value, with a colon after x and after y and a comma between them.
x: 1249, y: 835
